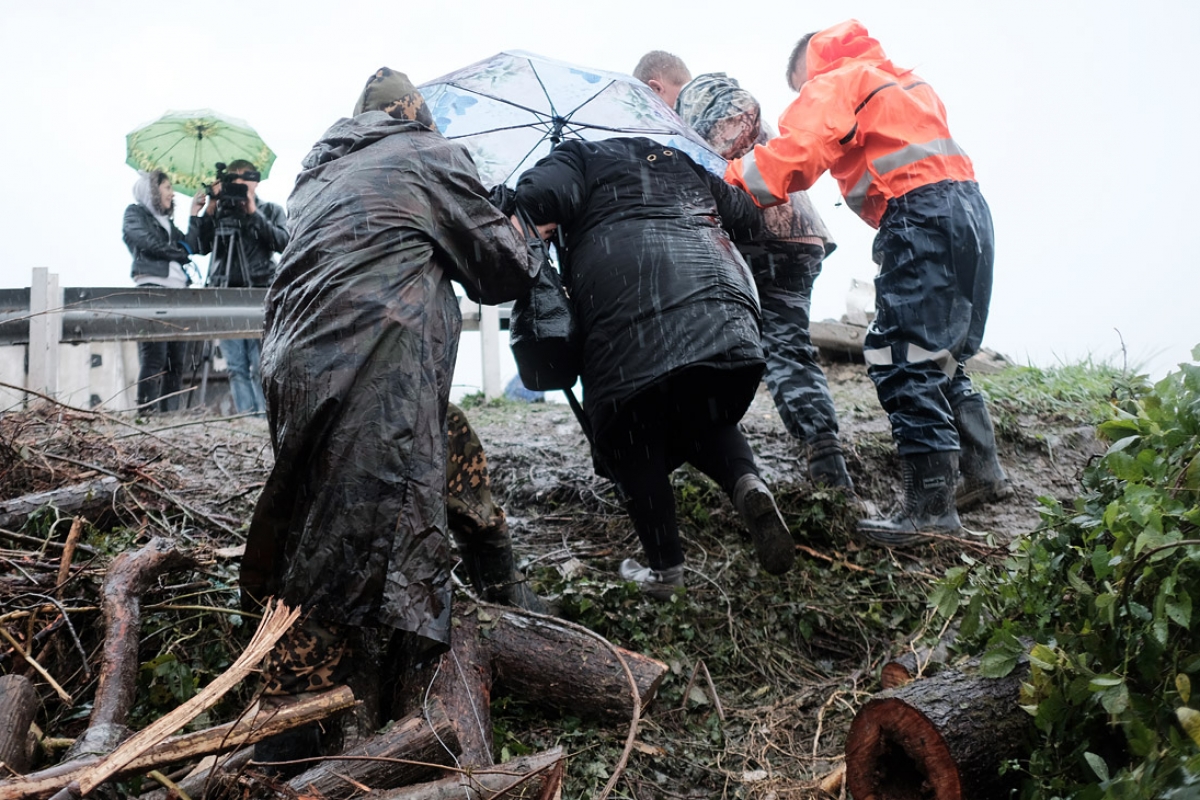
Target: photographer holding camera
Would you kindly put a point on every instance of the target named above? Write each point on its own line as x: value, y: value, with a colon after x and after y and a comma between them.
x: 242, y: 234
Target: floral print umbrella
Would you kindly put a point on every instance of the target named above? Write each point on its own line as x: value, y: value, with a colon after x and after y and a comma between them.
x: 511, y: 109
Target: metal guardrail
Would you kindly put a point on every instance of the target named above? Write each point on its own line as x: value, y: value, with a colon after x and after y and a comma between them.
x: 43, y: 317
x: 139, y: 314
x: 156, y: 314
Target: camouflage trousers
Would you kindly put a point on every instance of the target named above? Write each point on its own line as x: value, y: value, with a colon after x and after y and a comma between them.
x: 784, y: 274
x: 315, y: 655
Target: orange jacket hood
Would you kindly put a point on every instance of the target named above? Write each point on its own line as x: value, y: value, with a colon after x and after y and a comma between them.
x: 836, y: 47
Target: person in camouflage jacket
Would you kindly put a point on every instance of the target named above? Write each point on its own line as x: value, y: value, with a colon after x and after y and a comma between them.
x: 786, y: 262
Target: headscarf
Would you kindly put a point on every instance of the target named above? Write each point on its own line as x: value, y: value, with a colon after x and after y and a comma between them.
x: 394, y: 94
x: 722, y: 112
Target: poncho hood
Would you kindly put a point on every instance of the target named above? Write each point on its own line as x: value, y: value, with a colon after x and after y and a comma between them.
x: 842, y: 44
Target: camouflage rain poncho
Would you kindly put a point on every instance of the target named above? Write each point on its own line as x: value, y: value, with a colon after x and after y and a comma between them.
x: 362, y: 330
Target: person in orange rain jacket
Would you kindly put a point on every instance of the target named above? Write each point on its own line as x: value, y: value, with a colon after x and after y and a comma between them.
x: 881, y: 131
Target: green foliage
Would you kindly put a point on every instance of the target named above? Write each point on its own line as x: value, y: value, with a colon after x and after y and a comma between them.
x: 1107, y: 593
x: 1077, y: 392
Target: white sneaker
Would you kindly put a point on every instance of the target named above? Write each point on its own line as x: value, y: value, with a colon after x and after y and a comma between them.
x: 659, y: 584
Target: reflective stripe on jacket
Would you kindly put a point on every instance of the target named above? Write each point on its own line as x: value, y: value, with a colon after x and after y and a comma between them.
x: 879, y: 130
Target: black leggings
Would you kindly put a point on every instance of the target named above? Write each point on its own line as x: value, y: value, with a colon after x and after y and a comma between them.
x: 688, y: 418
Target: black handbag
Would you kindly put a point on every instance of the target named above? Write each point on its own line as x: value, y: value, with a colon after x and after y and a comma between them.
x: 542, y: 331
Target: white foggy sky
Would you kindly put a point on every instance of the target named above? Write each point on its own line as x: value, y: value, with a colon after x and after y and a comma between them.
x: 1080, y: 118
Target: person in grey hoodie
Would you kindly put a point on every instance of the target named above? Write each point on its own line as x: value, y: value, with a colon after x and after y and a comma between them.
x: 161, y: 253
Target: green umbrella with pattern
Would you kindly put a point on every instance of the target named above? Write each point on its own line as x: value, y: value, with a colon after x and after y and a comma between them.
x: 188, y: 145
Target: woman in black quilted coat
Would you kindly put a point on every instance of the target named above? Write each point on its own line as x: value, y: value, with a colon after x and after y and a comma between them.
x: 670, y: 321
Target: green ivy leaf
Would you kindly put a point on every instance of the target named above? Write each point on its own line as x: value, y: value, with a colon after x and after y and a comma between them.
x: 1102, y: 682
x: 1179, y: 609
x: 1043, y: 657
x: 1098, y: 766
x: 998, y: 662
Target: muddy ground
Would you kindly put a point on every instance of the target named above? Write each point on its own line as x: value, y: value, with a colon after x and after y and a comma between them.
x: 790, y: 658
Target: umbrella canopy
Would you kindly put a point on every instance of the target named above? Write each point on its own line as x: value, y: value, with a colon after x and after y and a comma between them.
x: 510, y: 109
x: 188, y: 144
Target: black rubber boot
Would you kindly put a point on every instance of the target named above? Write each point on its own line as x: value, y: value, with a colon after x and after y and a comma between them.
x: 772, y: 540
x: 929, y: 481
x: 983, y: 479
x: 827, y: 463
x: 488, y: 557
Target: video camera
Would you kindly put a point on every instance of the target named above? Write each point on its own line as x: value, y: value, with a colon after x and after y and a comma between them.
x: 233, y: 195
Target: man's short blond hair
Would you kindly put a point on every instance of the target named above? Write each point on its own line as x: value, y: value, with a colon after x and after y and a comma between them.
x: 659, y: 65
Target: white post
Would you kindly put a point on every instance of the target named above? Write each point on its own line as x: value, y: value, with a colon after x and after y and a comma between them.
x: 45, y: 331
x: 489, y: 343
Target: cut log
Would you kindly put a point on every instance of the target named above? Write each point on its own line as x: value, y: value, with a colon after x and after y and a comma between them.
x: 188, y: 746
x: 899, y: 671
x: 564, y: 669
x: 18, y: 705
x: 80, y: 498
x: 534, y: 776
x: 127, y: 579
x: 462, y: 680
x: 413, y: 750
x: 942, y: 738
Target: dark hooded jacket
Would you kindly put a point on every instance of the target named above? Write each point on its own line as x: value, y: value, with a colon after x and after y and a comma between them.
x: 654, y: 279
x: 362, y: 329
x: 151, y: 236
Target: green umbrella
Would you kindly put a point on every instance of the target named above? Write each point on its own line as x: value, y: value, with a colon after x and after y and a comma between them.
x: 187, y: 145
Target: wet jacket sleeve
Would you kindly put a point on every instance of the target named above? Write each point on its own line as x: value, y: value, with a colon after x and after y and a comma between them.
x: 814, y: 132
x: 270, y: 223
x: 740, y: 217
x: 553, y: 191
x: 481, y: 248
x: 141, y: 238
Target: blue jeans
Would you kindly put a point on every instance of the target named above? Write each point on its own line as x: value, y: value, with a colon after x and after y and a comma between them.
x: 245, y: 384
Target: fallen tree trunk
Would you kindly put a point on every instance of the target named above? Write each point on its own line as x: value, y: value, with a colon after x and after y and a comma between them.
x: 79, y: 498
x: 188, y: 746
x: 942, y: 738
x: 414, y: 749
x: 535, y: 776
x: 462, y: 680
x: 128, y: 577
x: 562, y: 668
x: 18, y: 705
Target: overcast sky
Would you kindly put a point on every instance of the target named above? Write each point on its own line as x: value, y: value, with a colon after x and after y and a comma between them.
x: 1080, y: 118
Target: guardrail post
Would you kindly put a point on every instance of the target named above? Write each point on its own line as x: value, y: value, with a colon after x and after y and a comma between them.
x: 489, y: 342
x: 45, y: 331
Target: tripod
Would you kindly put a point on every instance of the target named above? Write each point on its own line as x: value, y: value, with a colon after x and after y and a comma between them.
x: 228, y: 259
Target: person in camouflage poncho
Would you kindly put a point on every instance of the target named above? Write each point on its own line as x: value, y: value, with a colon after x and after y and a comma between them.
x: 362, y: 329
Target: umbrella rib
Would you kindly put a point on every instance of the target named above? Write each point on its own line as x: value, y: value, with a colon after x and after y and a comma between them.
x: 541, y: 83
x: 527, y: 155
x: 531, y: 125
x: 498, y: 99
x: 599, y: 91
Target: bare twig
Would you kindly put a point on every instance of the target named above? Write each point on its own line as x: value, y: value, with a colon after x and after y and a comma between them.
x: 64, y: 567
x: 37, y: 667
